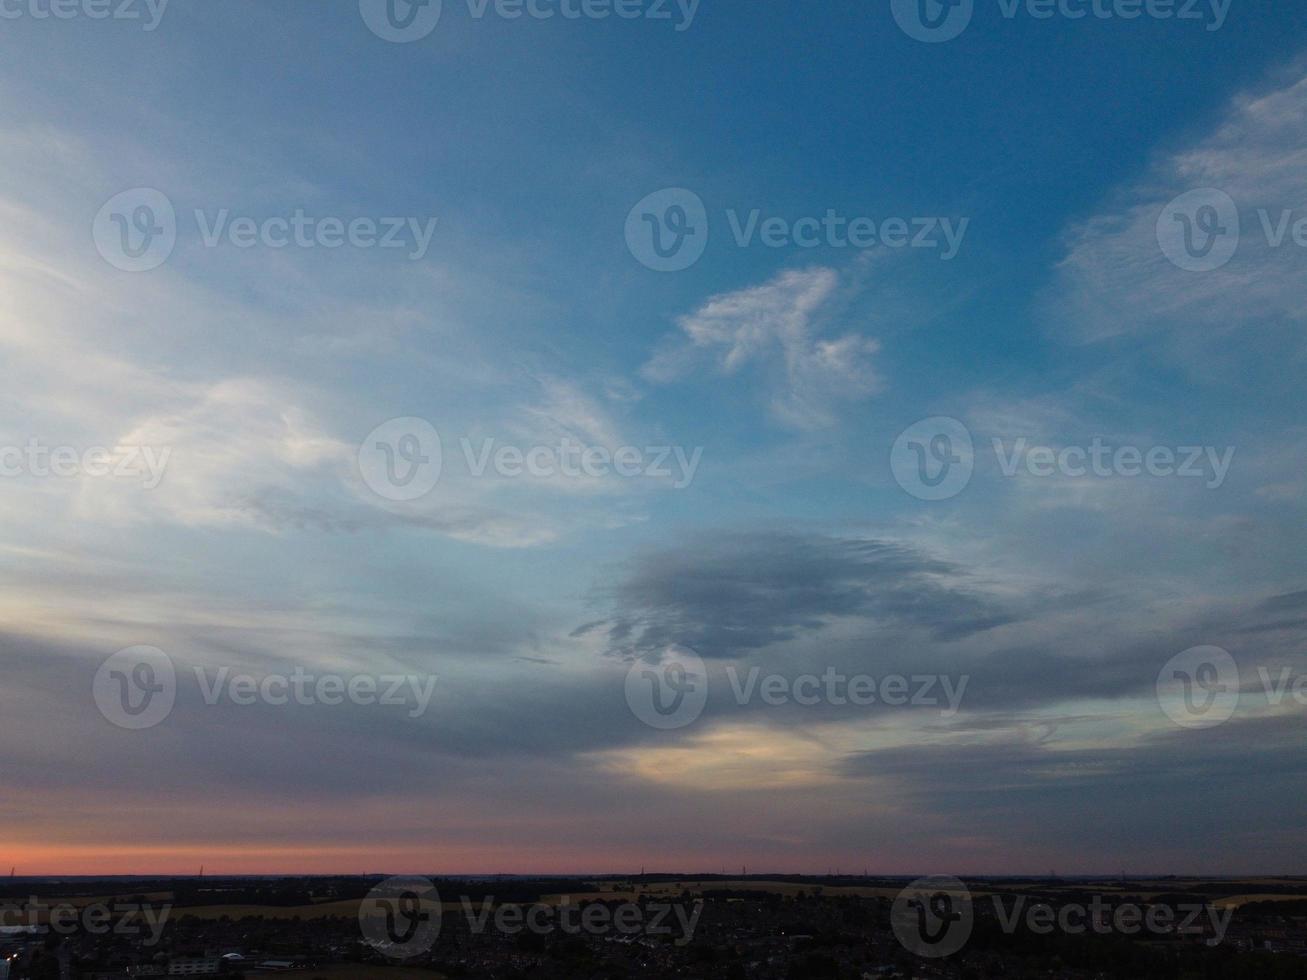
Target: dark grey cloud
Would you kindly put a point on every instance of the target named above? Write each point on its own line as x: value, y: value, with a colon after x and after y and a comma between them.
x: 1281, y: 612
x: 1227, y: 796
x: 523, y: 715
x: 725, y: 594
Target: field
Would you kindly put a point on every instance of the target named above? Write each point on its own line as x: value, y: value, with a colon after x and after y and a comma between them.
x: 663, y: 890
x: 1227, y: 893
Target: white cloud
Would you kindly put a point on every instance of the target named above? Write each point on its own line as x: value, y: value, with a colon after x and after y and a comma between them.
x: 1116, y: 280
x: 564, y: 410
x: 245, y: 396
x: 234, y: 439
x: 774, y: 326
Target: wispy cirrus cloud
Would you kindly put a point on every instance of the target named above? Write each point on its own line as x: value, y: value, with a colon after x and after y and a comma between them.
x: 1115, y: 279
x: 775, y: 328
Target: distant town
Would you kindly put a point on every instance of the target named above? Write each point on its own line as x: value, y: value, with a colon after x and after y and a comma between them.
x: 741, y: 927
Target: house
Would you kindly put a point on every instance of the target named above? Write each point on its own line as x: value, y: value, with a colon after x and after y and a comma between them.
x: 190, y: 966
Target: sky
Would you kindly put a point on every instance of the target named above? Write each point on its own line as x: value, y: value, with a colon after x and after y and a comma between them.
x: 860, y: 435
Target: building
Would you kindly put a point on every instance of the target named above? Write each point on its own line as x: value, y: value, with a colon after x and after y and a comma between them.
x: 192, y: 966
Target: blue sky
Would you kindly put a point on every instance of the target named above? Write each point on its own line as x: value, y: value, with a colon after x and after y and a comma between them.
x: 1052, y: 147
